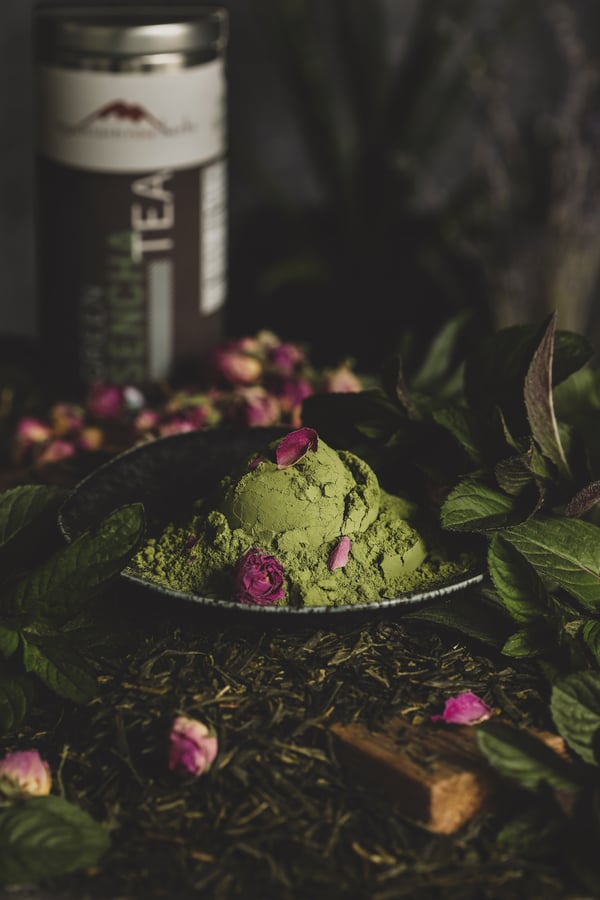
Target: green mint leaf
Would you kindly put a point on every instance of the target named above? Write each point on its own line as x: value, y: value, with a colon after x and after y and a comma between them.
x: 513, y: 475
x: 518, y: 755
x: 463, y: 426
x: 16, y: 694
x: 590, y: 634
x: 566, y: 551
x: 47, y: 836
x: 473, y: 506
x: 438, y: 366
x: 469, y: 612
x: 21, y: 506
x: 523, y: 644
x: 59, y: 665
x: 575, y: 708
x: 61, y: 585
x: 26, y: 515
x: 583, y: 500
x: 516, y: 581
x: 9, y: 641
x: 539, y: 401
x: 339, y: 417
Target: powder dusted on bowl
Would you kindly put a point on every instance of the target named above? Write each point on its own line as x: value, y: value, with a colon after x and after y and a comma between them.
x: 292, y: 520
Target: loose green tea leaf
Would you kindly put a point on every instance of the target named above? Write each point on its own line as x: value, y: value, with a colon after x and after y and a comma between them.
x: 566, y: 551
x: 539, y: 402
x: 524, y: 758
x: 473, y: 506
x: 59, y: 665
x: 47, y: 836
x: 15, y: 697
x: 517, y: 583
x: 575, y: 708
x: 62, y: 584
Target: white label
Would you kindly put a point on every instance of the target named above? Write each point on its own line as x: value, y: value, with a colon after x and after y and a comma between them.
x: 213, y: 190
x: 132, y: 122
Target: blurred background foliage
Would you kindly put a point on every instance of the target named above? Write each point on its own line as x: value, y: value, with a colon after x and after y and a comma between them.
x: 448, y: 163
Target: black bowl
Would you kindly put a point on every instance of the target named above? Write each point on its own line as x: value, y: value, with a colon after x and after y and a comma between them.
x: 166, y: 475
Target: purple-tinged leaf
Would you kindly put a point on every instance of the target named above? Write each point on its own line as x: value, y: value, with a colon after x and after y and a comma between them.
x: 295, y: 445
x: 340, y: 553
x: 539, y: 402
x: 583, y: 500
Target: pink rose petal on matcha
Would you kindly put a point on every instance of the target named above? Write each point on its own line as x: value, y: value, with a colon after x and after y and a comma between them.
x: 295, y: 445
x: 340, y: 553
x: 255, y: 462
x: 465, y: 709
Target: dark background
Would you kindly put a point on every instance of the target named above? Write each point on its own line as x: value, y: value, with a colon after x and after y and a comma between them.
x: 392, y: 163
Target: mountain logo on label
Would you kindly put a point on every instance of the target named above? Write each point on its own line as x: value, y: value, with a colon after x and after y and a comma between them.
x: 121, y: 112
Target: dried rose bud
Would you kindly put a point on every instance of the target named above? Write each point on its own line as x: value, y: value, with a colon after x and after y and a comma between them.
x: 465, y: 709
x: 146, y: 420
x: 285, y: 357
x: 25, y: 772
x: 259, y: 407
x: 176, y: 425
x: 192, y: 747
x: 258, y: 579
x: 340, y: 553
x: 105, y: 401
x: 295, y: 445
x: 55, y: 451
x: 32, y: 431
x: 91, y: 438
x: 342, y: 381
x: 237, y: 366
x: 66, y: 418
x: 291, y: 393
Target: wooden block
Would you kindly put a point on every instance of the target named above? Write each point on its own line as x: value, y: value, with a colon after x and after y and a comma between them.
x: 436, y: 775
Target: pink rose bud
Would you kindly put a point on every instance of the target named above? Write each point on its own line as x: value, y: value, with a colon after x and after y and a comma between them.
x: 55, y: 451
x: 465, y: 709
x: 91, y: 438
x: 340, y: 553
x: 176, y: 425
x: 295, y: 445
x: 259, y: 407
x: 192, y: 747
x: 285, y: 357
x: 238, y: 367
x: 258, y: 579
x: 105, y: 401
x: 146, y: 420
x: 25, y: 772
x: 31, y: 431
x: 66, y: 418
x: 342, y: 381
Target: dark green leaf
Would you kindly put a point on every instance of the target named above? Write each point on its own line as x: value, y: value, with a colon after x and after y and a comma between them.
x: 575, y: 707
x: 522, y: 644
x: 525, y: 759
x: 339, y: 417
x: 468, y: 612
x: 16, y: 693
x: 21, y: 506
x: 27, y: 524
x: 46, y: 836
x: 62, y: 584
x: 462, y: 425
x: 473, y: 506
x: 59, y: 665
x: 566, y: 551
x: 440, y: 361
x: 534, y: 832
x: 9, y: 641
x: 539, y: 401
x: 517, y: 583
x: 513, y: 475
x: 590, y: 634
